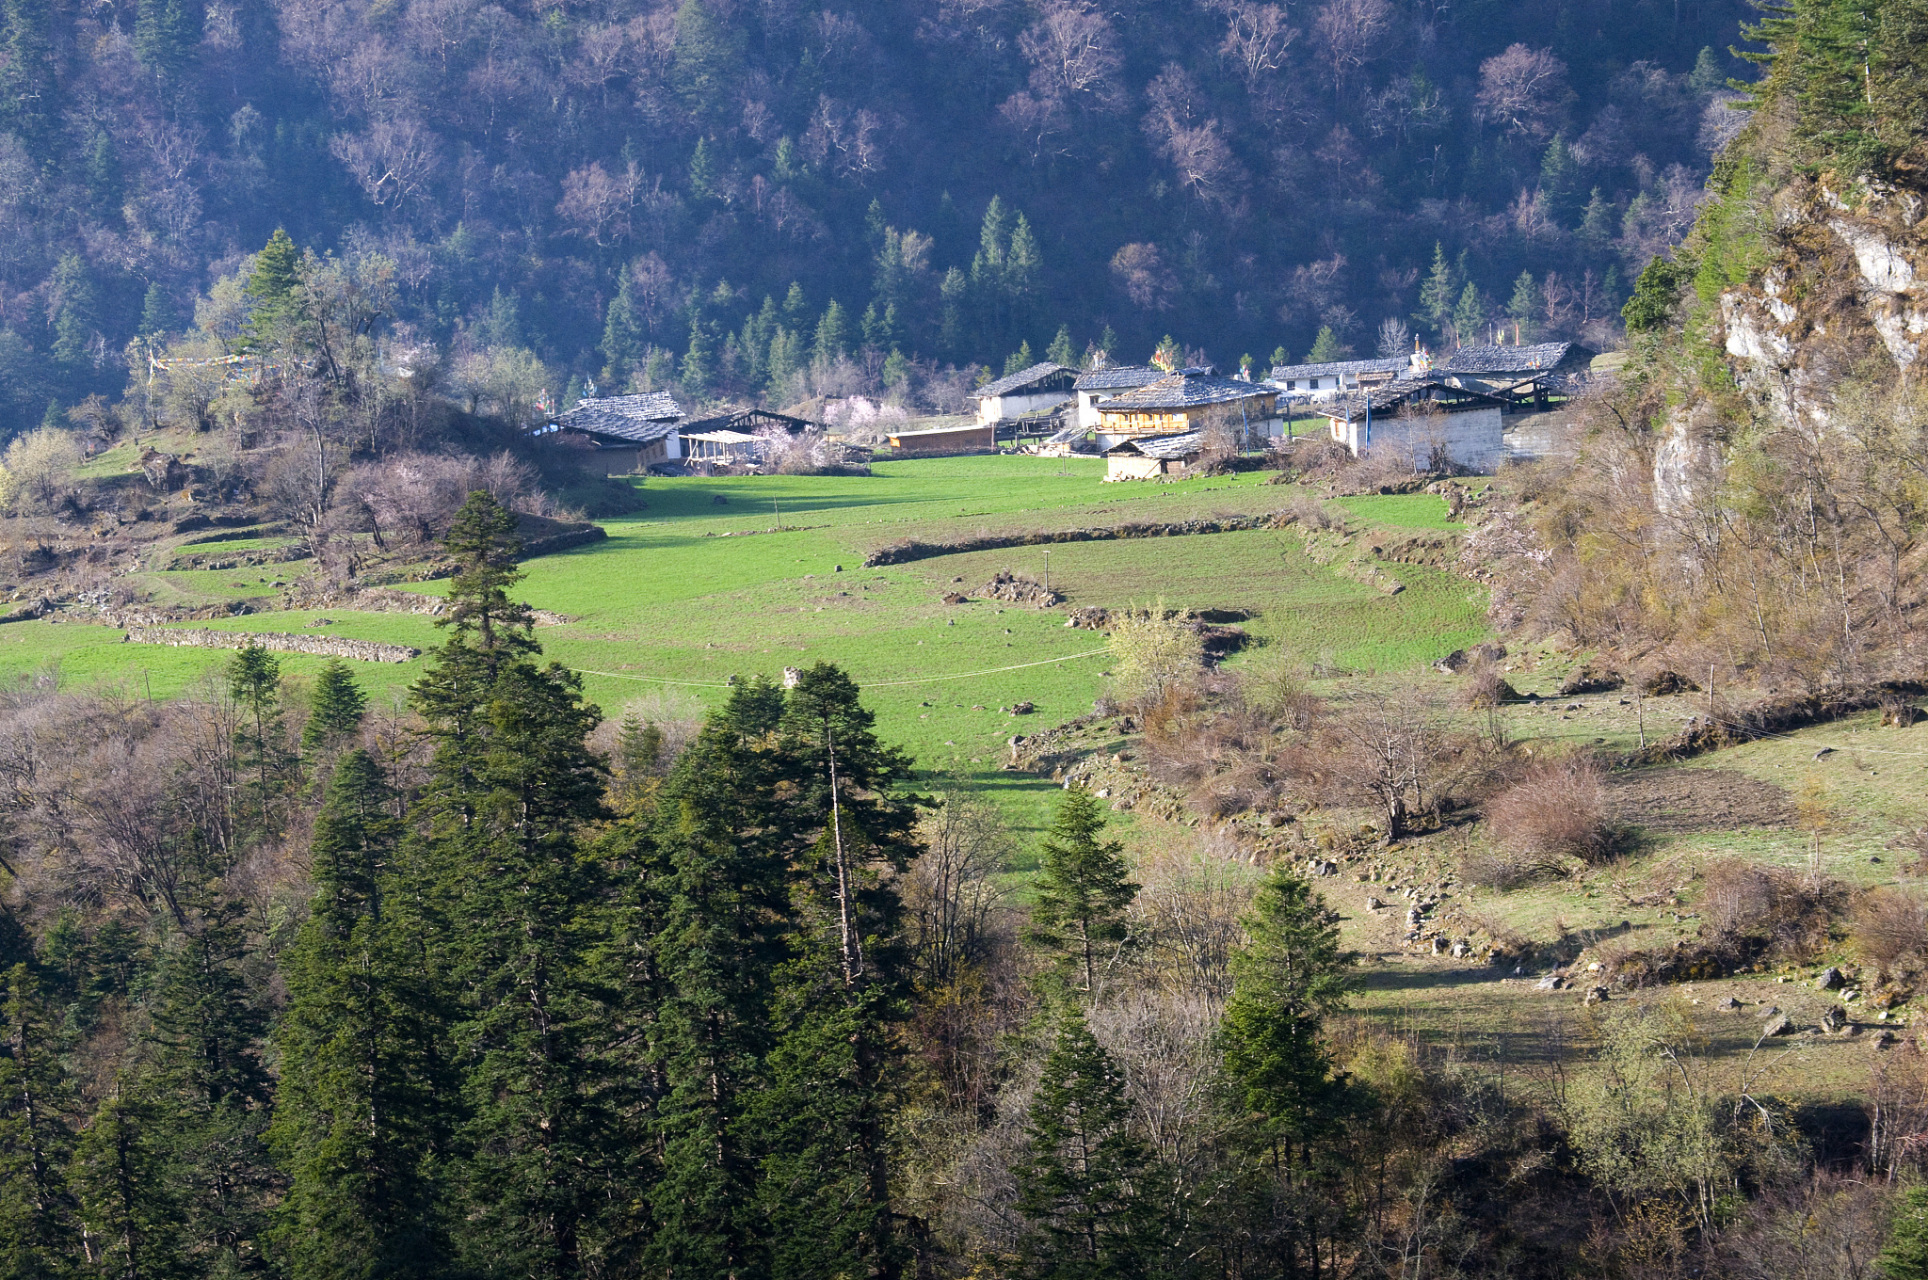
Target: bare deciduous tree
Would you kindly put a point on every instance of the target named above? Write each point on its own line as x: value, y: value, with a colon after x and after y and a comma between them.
x: 1523, y: 90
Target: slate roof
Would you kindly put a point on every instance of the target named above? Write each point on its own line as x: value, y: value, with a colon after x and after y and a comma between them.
x: 746, y: 420
x: 639, y: 419
x: 1488, y: 357
x: 1021, y: 379
x: 1387, y: 397
x: 1164, y: 448
x: 1189, y: 389
x: 1120, y: 378
x: 1332, y: 368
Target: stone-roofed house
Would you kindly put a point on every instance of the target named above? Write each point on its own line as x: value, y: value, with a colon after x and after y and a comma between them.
x: 1042, y: 386
x: 1097, y: 384
x: 1187, y: 401
x: 1425, y: 420
x: 1520, y: 374
x: 1334, y: 377
x: 1149, y: 457
x: 630, y: 433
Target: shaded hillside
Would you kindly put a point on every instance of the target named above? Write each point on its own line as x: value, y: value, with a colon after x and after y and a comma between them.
x: 1239, y: 174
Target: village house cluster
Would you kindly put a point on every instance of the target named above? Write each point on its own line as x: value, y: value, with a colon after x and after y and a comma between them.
x: 1145, y: 420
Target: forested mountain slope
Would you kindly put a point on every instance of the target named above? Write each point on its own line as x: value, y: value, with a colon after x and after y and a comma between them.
x: 1238, y: 173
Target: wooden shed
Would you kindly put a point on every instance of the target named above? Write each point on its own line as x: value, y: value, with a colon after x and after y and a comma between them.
x: 1150, y: 457
x: 974, y: 437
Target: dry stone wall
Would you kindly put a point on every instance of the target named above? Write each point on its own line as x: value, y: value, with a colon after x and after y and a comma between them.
x: 278, y: 641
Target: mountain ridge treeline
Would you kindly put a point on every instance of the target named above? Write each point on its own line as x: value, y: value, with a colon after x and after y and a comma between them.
x: 1246, y: 175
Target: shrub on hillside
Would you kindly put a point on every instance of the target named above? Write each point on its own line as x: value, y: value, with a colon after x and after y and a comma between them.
x: 1786, y: 913
x: 1891, y: 927
x: 1557, y: 809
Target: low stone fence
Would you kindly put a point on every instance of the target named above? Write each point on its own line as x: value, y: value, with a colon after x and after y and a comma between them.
x: 905, y: 552
x: 278, y: 641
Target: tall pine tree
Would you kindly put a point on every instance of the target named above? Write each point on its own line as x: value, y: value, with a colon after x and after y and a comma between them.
x: 1087, y: 1183
x: 1082, y: 889
x: 361, y: 1119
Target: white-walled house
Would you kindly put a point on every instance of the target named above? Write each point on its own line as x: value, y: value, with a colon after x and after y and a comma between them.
x: 1422, y: 421
x: 1042, y: 386
x: 1323, y: 381
x: 1102, y: 384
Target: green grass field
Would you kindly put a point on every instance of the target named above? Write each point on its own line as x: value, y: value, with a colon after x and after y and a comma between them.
x: 668, y: 606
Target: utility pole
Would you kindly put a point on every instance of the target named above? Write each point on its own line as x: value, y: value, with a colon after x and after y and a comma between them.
x: 1047, y: 571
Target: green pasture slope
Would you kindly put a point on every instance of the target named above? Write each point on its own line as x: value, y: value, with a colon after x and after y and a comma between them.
x: 668, y: 608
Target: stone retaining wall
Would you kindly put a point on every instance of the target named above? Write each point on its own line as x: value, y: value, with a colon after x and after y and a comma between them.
x: 280, y: 642
x: 905, y: 552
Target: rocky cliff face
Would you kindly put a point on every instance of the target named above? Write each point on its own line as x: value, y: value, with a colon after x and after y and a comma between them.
x: 1846, y: 280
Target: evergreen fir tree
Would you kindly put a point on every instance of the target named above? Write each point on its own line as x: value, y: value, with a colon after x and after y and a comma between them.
x: 1597, y: 222
x: 361, y: 1113
x: 833, y: 336
x: 1280, y: 357
x: 1061, y: 351
x: 826, y: 1174
x: 27, y: 73
x: 1326, y: 347
x: 622, y: 340
x: 1525, y: 307
x: 1906, y: 1255
x: 514, y: 907
x: 502, y: 327
x: 209, y: 1088
x: 1018, y: 360
x: 1086, y: 1182
x: 271, y: 290
x: 724, y: 906
x: 896, y: 372
x: 1436, y: 295
x: 785, y: 360
x: 697, y: 365
x: 166, y: 34
x: 1559, y: 182
x: 708, y: 56
x: 1287, y: 979
x: 105, y: 187
x: 1469, y: 316
x: 254, y: 681
x: 1083, y: 888
x: 1707, y: 75
x: 158, y: 316
x: 37, y: 1229
x: 76, y: 303
x: 129, y: 1199
x: 702, y: 172
x: 952, y: 292
x: 335, y: 708
x: 796, y: 308
x: 638, y: 764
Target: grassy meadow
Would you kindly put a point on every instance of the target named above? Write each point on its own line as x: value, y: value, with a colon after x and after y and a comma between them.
x: 744, y: 576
